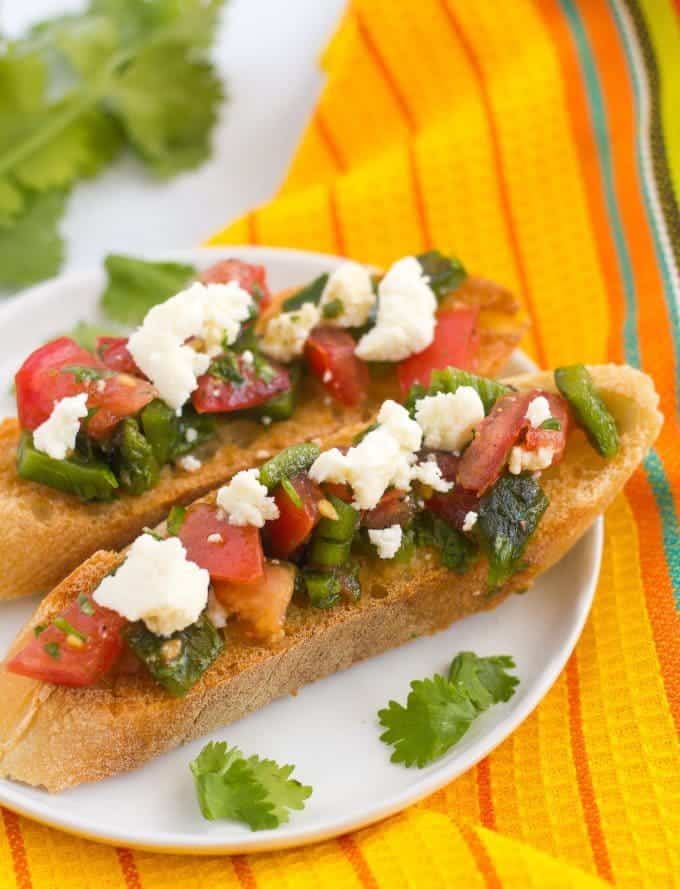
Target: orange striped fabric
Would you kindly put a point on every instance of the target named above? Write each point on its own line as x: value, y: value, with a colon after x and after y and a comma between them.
x: 536, y: 140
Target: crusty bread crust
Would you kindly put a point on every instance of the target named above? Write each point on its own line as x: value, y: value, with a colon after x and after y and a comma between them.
x: 57, y: 737
x: 46, y: 534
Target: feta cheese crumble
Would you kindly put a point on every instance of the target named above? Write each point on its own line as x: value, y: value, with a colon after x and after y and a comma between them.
x: 245, y: 500
x: 406, y: 315
x: 191, y: 435
x: 213, y: 313
x: 429, y: 473
x: 285, y: 335
x: 157, y: 584
x: 387, y: 541
x: 57, y: 435
x: 448, y: 419
x: 189, y: 463
x: 538, y: 411
x: 215, y: 538
x: 216, y: 611
x: 351, y: 285
x: 470, y: 520
x: 384, y: 457
x: 522, y: 460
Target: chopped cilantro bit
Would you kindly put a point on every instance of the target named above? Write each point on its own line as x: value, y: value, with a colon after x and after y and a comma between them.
x: 62, y: 624
x: 309, y: 294
x: 293, y: 495
x: 39, y: 629
x: 551, y: 423
x: 446, y: 273
x: 83, y: 374
x: 333, y: 309
x: 226, y: 367
x: 175, y: 520
x: 456, y: 550
x: 257, y: 791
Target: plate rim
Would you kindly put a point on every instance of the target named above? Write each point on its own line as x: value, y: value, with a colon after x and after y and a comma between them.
x: 10, y: 794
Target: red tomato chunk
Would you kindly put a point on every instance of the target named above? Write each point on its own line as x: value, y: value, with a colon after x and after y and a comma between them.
x: 236, y: 557
x: 330, y: 356
x: 455, y: 344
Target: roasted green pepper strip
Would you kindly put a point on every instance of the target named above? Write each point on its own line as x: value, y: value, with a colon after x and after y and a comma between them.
x: 136, y: 465
x: 324, y: 553
x: 282, y: 407
x: 89, y: 480
x: 309, y: 294
x: 288, y: 463
x: 175, y: 520
x: 177, y: 663
x: 324, y: 590
x: 169, y: 435
x: 576, y: 384
x: 341, y: 529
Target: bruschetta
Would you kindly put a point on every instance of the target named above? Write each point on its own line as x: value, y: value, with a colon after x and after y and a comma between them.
x: 441, y: 508
x: 217, y: 380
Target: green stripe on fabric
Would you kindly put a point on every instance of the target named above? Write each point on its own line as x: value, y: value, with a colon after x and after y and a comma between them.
x: 653, y: 465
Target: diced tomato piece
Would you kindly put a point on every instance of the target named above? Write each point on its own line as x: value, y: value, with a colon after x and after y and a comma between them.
x: 484, y: 459
x: 237, y: 558
x: 330, y: 355
x: 252, y: 278
x: 215, y: 395
x: 40, y: 380
x: 113, y: 351
x: 121, y: 396
x: 394, y: 508
x: 261, y: 606
x: 295, y: 523
x: 554, y: 438
x: 60, y: 657
x: 455, y: 344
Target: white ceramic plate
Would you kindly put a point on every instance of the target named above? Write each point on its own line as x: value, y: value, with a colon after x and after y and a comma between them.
x: 329, y: 730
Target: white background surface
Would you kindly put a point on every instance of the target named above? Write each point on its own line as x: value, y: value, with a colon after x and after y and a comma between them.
x: 267, y: 51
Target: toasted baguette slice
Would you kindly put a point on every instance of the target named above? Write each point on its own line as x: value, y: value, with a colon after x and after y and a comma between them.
x: 46, y: 533
x: 58, y: 737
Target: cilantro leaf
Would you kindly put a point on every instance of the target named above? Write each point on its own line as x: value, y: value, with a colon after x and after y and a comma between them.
x: 31, y: 249
x: 11, y: 202
x: 508, y: 515
x: 256, y: 791
x: 135, y: 285
x: 436, y: 716
x: 440, y: 710
x: 483, y: 679
x: 445, y: 273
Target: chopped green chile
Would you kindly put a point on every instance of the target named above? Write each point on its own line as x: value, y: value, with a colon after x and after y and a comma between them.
x: 577, y: 386
x: 324, y: 553
x: 455, y: 550
x: 282, y: 407
x: 508, y: 515
x: 309, y: 294
x: 291, y: 493
x: 85, y: 604
x: 199, y: 645
x: 135, y: 461
x: 449, y: 379
x: 446, y: 273
x: 171, y: 436
x: 324, y: 590
x: 341, y: 529
x: 87, y: 479
x: 295, y: 459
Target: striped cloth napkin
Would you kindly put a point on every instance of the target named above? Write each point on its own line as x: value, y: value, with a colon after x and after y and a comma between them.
x: 540, y: 141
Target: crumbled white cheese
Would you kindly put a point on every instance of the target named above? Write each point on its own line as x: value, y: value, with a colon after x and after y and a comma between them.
x: 429, y: 473
x: 285, y: 335
x: 448, y: 419
x: 406, y: 315
x: 57, y: 435
x: 248, y: 357
x: 387, y: 541
x: 157, y: 584
x: 245, y: 500
x: 265, y: 420
x: 352, y: 286
x: 215, y: 611
x: 100, y: 385
x: 215, y: 538
x: 470, y: 520
x: 538, y: 411
x: 384, y: 457
x: 191, y: 435
x: 522, y: 460
x: 212, y: 313
x: 189, y: 463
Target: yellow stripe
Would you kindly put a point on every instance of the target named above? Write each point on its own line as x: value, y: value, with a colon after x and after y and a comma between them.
x: 631, y: 744
x: 310, y: 868
x: 546, y: 188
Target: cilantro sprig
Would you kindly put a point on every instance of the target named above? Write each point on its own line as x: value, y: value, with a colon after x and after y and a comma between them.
x: 440, y: 710
x: 79, y: 88
x: 257, y: 791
